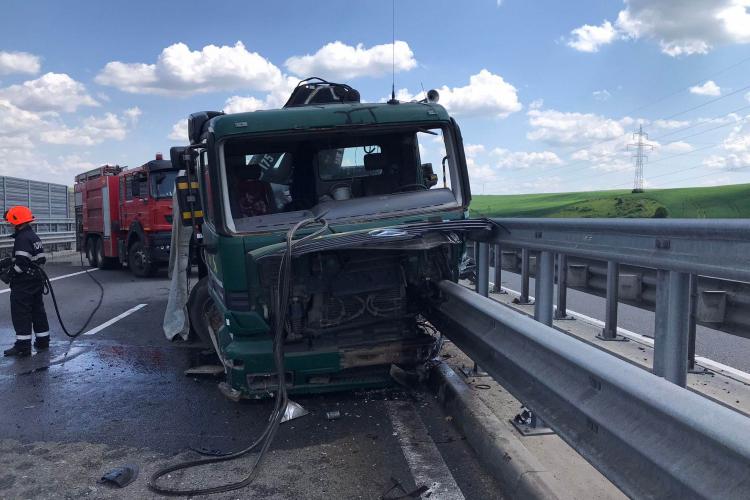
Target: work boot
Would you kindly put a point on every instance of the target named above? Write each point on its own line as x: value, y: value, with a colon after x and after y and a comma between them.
x: 41, y: 343
x: 21, y: 349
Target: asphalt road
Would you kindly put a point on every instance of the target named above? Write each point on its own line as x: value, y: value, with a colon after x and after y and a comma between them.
x: 120, y: 396
x: 713, y: 344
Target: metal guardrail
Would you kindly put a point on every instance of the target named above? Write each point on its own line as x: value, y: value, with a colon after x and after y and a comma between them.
x: 652, y: 438
x: 676, y: 251
x: 721, y: 304
x: 56, y: 234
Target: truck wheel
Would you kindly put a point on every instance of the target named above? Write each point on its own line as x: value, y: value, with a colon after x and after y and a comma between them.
x: 91, y: 252
x: 103, y: 262
x: 139, y: 262
x: 198, y: 306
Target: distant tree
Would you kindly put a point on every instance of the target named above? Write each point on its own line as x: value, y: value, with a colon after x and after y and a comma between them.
x: 661, y: 213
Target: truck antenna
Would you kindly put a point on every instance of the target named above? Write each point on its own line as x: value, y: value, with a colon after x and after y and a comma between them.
x: 393, y: 53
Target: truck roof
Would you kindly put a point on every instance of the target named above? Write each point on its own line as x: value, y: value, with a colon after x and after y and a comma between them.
x: 325, y: 116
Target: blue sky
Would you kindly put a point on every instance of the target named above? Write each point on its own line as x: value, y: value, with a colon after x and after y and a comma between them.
x: 547, y: 93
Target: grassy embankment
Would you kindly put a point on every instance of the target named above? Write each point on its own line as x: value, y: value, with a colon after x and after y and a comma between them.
x: 731, y: 201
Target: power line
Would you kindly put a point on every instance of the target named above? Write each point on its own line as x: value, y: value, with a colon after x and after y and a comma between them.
x: 697, y: 124
x: 711, y: 101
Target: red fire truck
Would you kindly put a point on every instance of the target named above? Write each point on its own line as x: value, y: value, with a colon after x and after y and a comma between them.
x: 124, y: 215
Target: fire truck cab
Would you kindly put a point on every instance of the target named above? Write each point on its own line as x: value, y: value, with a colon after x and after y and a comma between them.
x: 124, y: 216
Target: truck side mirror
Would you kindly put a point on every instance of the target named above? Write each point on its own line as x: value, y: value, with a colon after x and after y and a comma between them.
x: 188, y: 201
x: 428, y: 174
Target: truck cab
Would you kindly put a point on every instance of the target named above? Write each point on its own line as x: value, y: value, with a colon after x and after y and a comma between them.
x: 384, y: 189
x: 146, y: 215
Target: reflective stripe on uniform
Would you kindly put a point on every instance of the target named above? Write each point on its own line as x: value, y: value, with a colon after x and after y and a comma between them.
x: 23, y: 254
x: 17, y: 269
x: 42, y: 334
x: 23, y: 337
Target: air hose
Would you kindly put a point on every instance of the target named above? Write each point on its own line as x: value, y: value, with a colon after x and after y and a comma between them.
x: 266, y: 437
x: 49, y: 290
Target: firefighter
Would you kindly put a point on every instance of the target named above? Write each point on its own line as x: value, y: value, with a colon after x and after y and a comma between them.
x: 26, y: 285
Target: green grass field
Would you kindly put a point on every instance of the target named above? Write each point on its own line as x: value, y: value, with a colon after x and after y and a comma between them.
x: 731, y: 201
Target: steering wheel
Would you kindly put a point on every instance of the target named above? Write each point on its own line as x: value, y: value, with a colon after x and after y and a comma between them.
x: 415, y: 187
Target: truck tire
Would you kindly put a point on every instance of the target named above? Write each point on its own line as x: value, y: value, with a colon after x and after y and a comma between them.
x: 198, y: 304
x: 103, y: 262
x: 91, y: 253
x: 139, y: 262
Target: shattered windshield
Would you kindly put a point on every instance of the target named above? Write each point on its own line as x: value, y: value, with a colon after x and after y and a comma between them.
x: 282, y: 176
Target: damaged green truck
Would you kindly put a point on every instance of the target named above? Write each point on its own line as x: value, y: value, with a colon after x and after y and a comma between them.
x: 388, y: 183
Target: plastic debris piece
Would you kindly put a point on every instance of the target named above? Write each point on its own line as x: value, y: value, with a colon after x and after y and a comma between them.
x: 333, y: 415
x: 120, y: 476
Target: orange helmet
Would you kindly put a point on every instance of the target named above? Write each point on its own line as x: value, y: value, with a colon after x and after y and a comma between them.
x: 18, y: 215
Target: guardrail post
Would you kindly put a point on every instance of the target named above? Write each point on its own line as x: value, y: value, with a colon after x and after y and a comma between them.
x: 671, y: 326
x: 525, y: 258
x: 692, y: 367
x: 498, y: 274
x: 545, y: 288
x: 561, y: 311
x: 609, y: 332
x: 483, y: 268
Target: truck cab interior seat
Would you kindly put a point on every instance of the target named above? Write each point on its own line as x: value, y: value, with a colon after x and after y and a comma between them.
x: 253, y: 195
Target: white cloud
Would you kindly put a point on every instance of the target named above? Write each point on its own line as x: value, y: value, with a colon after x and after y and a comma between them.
x: 680, y: 27
x: 523, y: 159
x: 179, y: 132
x: 601, y: 95
x: 487, y: 94
x: 49, y: 92
x: 536, y: 104
x: 181, y: 71
x: 336, y: 60
x: 670, y: 124
x: 14, y: 120
x: 565, y: 128
x: 736, y: 148
x: 93, y: 130
x: 133, y: 114
x: 19, y: 62
x: 473, y: 150
x: 747, y: 97
x: 709, y: 88
x: 677, y: 147
x: 589, y: 38
x: 273, y: 100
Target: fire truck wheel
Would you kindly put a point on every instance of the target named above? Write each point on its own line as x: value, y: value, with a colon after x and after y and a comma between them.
x: 139, y: 261
x: 103, y: 262
x: 91, y: 253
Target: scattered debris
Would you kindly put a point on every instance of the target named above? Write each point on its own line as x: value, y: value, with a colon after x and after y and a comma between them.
x: 333, y: 415
x: 293, y: 410
x: 212, y: 370
x: 398, y: 492
x: 120, y: 476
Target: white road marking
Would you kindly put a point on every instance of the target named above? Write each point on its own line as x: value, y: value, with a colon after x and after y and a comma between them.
x: 642, y: 339
x: 114, y: 320
x: 425, y: 461
x: 6, y: 290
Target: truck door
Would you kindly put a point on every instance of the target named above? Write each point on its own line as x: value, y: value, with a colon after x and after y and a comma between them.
x: 135, y: 205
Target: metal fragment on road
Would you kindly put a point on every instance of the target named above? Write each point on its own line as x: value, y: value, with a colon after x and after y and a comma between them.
x: 293, y: 410
x: 333, y: 415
